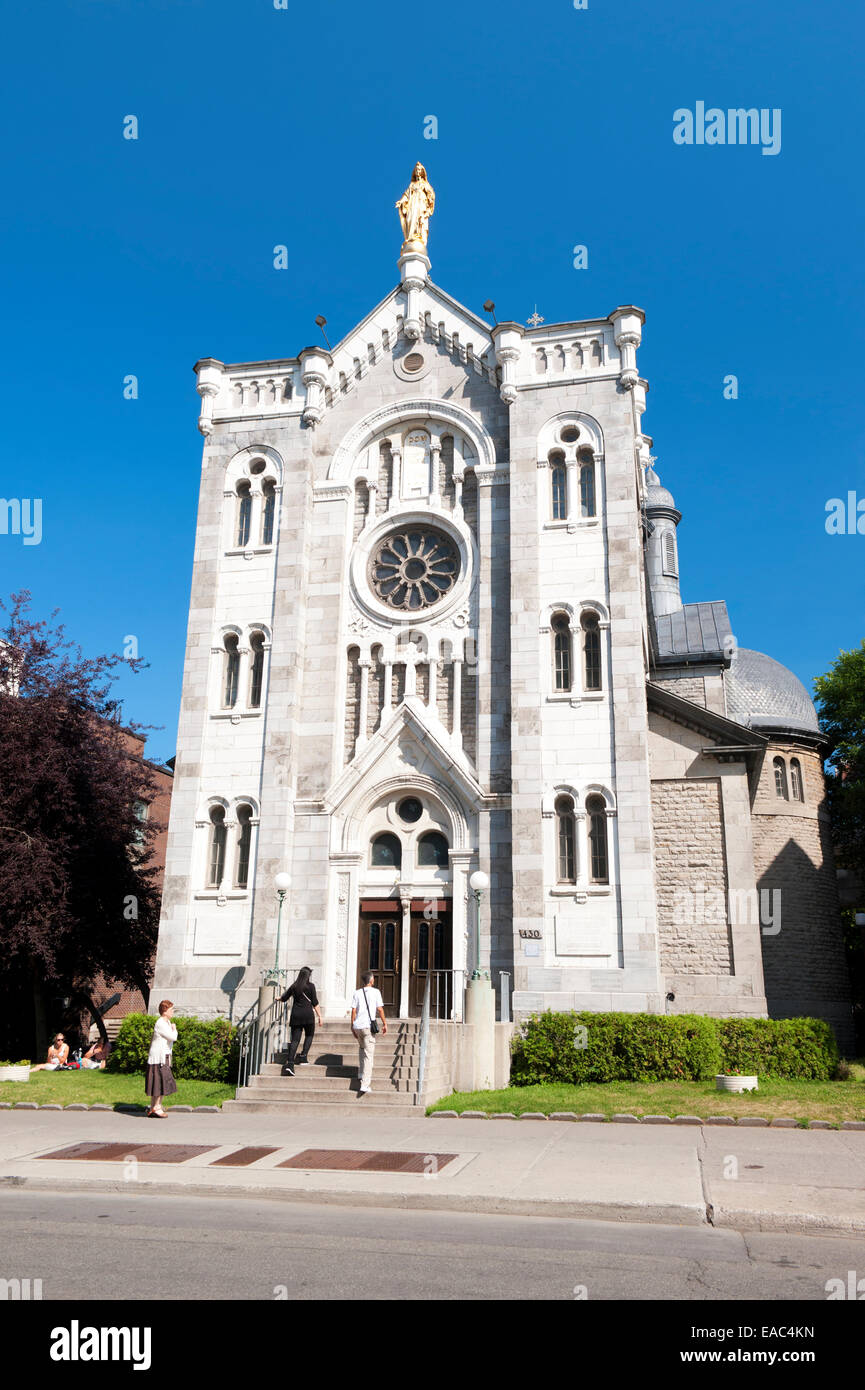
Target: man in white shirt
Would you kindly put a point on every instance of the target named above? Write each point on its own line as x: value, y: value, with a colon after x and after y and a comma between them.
x: 366, y: 1004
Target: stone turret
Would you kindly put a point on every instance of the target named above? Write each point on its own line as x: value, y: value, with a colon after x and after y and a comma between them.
x: 662, y: 551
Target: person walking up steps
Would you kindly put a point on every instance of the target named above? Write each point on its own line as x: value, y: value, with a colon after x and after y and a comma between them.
x: 304, y: 1012
x: 367, y: 1006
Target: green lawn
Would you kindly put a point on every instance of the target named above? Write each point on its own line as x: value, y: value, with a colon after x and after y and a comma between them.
x: 112, y: 1088
x: 799, y: 1100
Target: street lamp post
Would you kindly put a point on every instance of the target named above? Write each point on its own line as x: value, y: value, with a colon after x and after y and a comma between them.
x: 480, y: 1011
x: 479, y: 883
x: 282, y: 883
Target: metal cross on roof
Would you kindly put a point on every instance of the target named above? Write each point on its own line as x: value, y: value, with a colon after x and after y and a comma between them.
x: 535, y: 319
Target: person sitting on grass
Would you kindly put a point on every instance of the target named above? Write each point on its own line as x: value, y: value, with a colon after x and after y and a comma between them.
x: 96, y: 1056
x: 58, y: 1055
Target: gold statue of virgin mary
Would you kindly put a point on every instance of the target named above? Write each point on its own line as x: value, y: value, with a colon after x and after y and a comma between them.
x: 416, y: 207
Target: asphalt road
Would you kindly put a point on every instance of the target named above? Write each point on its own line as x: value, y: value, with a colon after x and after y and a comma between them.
x: 85, y: 1246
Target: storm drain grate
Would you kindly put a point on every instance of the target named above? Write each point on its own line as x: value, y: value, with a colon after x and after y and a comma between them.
x: 144, y: 1153
x: 366, y: 1161
x: 241, y: 1157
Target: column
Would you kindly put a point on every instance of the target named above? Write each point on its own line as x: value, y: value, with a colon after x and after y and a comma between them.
x: 573, y: 508
x: 242, y: 701
x: 405, y: 956
x: 435, y: 458
x: 458, y: 494
x: 457, y: 730
x: 433, y: 672
x: 396, y: 482
x: 372, y: 493
x: 387, y: 695
x: 582, y: 851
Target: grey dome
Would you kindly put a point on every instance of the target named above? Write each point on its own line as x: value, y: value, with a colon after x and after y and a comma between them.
x: 763, y: 694
x: 656, y: 494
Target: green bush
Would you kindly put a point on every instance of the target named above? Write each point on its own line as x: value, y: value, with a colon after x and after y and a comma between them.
x: 592, y: 1047
x: 589, y: 1047
x: 792, y: 1049
x: 206, y: 1050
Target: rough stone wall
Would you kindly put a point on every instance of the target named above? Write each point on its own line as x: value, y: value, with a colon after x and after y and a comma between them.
x: 352, y: 703
x: 468, y: 712
x: 691, y: 688
x: 803, y: 962
x: 691, y: 878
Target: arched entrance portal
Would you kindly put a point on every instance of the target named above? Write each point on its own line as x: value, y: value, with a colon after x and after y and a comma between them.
x: 405, y: 923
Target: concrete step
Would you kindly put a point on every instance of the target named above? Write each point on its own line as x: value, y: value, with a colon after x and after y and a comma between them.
x: 385, y: 1094
x: 311, y: 1108
x: 382, y: 1066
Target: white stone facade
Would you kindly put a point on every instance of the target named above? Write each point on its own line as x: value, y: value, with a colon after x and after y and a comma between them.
x: 513, y: 708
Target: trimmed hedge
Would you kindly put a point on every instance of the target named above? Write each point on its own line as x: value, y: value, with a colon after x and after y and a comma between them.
x: 792, y: 1049
x: 597, y: 1047
x: 206, y: 1050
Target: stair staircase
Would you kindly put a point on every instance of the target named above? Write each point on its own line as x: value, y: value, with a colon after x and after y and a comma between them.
x: 329, y: 1084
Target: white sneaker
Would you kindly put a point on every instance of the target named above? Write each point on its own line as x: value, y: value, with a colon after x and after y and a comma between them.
x: 365, y: 1090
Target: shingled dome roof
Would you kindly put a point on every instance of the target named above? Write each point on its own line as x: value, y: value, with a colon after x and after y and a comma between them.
x: 764, y: 694
x: 656, y: 494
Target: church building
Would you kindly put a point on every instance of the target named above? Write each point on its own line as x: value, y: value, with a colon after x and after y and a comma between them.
x: 436, y: 628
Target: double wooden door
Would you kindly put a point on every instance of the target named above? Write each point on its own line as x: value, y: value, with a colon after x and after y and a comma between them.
x: 380, y: 949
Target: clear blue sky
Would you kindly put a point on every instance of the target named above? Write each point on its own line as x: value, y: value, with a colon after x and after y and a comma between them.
x: 261, y: 126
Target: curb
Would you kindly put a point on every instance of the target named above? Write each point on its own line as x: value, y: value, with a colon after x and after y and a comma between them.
x: 673, y: 1214
x: 745, y: 1121
x: 615, y: 1212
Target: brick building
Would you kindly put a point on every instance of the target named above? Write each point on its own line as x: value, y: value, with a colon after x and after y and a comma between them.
x: 436, y: 626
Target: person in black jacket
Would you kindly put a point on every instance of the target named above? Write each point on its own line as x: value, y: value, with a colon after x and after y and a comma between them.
x: 304, y: 1012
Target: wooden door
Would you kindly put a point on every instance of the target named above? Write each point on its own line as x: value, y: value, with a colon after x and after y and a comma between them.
x: 378, y: 949
x: 431, y: 950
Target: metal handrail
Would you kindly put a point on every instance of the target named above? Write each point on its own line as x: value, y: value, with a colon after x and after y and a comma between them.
x: 424, y: 1038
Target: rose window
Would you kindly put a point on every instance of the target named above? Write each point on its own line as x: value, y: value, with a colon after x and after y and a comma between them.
x: 413, y: 569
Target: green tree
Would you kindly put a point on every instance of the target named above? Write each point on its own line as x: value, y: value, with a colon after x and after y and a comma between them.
x: 841, y: 706
x: 78, y: 892
x: 841, y: 702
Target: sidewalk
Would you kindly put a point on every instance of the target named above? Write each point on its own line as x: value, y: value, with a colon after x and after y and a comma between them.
x: 750, y: 1179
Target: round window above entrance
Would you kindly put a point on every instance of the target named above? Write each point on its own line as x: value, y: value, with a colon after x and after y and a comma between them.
x: 410, y: 810
x: 413, y: 568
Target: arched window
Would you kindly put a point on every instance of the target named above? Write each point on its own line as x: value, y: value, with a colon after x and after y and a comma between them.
x: 780, y: 778
x: 232, y: 671
x: 256, y: 671
x: 268, y: 512
x: 244, y: 513
x: 670, y: 554
x: 432, y: 851
x: 591, y: 651
x: 386, y: 852
x: 559, y: 483
x: 216, y: 856
x: 244, y: 841
x: 140, y: 811
x: 566, y: 840
x: 596, y: 812
x: 561, y: 651
x: 796, y: 780
x: 587, y: 484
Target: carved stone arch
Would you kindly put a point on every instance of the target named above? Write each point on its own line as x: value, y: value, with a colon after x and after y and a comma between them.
x: 591, y: 434
x: 359, y: 807
x: 250, y: 801
x: 594, y: 605
x: 549, y: 611
x: 597, y: 789
x: 230, y: 630
x: 206, y: 805
x: 422, y: 413
x: 551, y: 795
x: 263, y: 628
x: 237, y: 469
